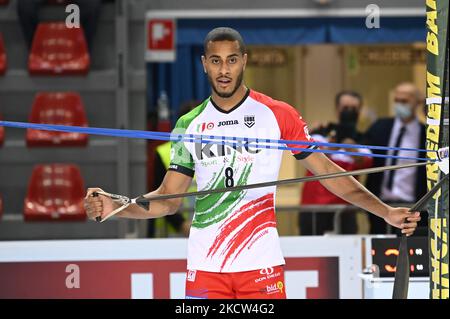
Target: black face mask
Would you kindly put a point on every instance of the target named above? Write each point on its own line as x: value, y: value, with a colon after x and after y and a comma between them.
x: 348, y: 116
x: 346, y: 128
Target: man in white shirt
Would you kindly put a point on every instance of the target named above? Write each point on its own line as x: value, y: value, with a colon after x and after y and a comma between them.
x: 405, y: 130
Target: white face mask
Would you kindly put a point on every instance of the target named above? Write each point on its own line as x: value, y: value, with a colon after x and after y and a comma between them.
x: 402, y: 110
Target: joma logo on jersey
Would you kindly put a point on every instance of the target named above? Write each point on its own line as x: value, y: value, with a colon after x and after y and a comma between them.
x: 225, y: 123
x: 203, y: 151
x: 204, y: 126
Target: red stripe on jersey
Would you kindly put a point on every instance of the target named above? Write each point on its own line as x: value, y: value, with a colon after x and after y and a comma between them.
x: 247, y: 234
x: 232, y: 223
x: 265, y: 219
x: 244, y: 216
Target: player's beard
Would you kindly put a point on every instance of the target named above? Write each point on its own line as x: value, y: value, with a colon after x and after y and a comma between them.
x: 236, y: 87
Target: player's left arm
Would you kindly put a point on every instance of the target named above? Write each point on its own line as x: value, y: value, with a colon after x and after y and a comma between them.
x: 349, y: 189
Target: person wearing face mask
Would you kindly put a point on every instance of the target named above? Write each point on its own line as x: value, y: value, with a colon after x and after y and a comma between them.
x: 403, y: 130
x: 348, y: 106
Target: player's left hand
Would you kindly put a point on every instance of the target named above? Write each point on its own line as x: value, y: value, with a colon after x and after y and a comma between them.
x: 402, y: 218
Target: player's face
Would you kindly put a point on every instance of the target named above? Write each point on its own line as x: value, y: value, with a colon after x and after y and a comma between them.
x: 224, y: 64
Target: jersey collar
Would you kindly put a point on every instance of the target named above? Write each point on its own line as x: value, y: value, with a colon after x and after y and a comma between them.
x: 234, y: 107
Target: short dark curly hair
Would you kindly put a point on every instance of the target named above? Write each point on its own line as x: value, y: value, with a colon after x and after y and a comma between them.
x: 224, y: 34
x: 352, y: 93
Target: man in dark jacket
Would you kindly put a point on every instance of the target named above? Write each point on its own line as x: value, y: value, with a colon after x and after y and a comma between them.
x: 404, y: 130
x: 348, y: 105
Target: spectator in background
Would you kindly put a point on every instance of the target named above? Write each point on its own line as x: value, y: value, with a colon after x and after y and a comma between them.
x: 404, y: 130
x: 348, y: 106
x: 28, y: 12
x: 178, y: 222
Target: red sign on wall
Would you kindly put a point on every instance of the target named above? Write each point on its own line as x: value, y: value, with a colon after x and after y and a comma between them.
x: 87, y: 279
x: 141, y: 279
x: 161, y: 40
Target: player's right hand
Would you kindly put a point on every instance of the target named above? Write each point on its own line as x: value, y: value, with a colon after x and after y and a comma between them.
x: 97, y: 206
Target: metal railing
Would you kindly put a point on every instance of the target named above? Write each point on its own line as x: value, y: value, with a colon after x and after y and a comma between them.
x: 337, y: 209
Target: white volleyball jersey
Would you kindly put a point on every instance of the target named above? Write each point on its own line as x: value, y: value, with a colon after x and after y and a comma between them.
x: 236, y: 231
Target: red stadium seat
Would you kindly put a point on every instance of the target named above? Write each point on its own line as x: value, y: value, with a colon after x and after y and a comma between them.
x: 2, y: 56
x: 58, y: 50
x: 57, y: 108
x: 2, y: 133
x: 55, y: 192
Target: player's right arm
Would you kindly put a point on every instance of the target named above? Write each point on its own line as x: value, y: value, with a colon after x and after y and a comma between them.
x: 177, y: 180
x: 173, y: 183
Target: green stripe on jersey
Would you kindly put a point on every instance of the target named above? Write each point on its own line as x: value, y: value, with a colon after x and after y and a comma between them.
x: 213, y: 208
x: 179, y: 154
